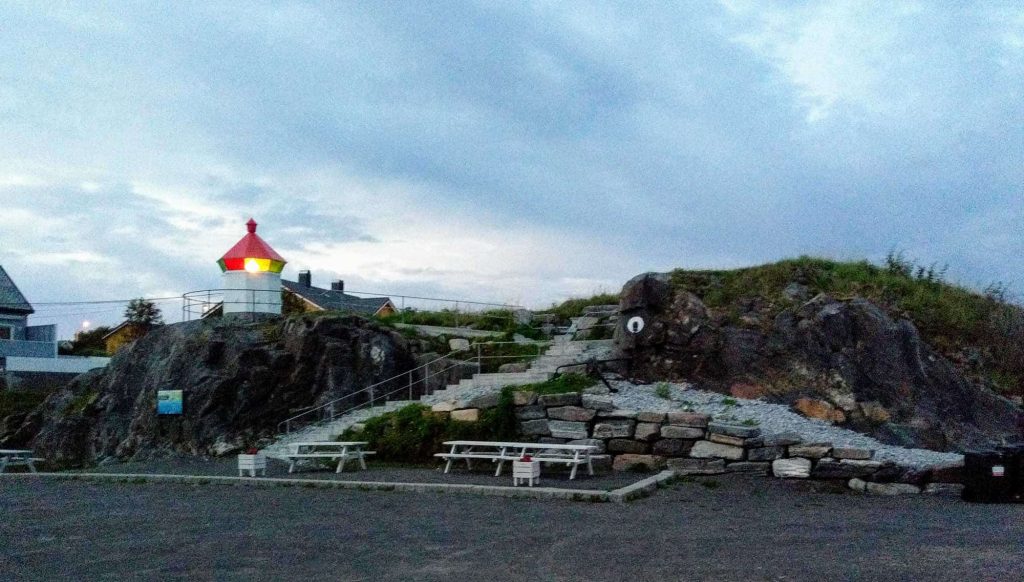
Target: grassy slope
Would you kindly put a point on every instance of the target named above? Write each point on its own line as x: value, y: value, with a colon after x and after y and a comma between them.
x: 951, y: 318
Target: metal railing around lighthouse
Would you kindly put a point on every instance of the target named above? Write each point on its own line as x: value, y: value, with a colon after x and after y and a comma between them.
x: 207, y: 302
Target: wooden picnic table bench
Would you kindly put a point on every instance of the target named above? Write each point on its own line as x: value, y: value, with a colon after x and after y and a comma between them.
x: 327, y: 450
x: 502, y: 452
x: 15, y: 457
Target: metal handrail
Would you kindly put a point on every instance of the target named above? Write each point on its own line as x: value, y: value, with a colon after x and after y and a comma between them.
x: 332, y: 410
x: 329, y: 406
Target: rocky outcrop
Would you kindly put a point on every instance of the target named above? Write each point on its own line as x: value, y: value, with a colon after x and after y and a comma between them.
x: 239, y: 379
x: 846, y: 361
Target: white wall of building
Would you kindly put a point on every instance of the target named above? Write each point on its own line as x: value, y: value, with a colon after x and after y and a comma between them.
x: 246, y: 292
x: 62, y: 364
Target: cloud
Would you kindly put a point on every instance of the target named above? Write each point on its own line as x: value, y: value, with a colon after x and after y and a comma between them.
x: 509, y: 152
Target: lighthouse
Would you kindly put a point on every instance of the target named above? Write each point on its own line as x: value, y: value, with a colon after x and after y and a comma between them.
x: 251, y: 275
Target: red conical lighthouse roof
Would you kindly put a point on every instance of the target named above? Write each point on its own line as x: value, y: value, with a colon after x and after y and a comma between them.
x: 252, y: 254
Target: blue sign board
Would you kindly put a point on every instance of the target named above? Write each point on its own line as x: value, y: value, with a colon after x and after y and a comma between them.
x: 168, y: 401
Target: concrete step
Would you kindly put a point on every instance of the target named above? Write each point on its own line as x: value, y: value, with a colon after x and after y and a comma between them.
x: 501, y: 380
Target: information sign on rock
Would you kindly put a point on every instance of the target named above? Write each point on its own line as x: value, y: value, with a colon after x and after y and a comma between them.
x: 168, y: 401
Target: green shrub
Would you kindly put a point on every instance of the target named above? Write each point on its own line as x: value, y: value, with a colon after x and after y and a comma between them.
x: 663, y: 390
x: 413, y: 434
x: 20, y: 401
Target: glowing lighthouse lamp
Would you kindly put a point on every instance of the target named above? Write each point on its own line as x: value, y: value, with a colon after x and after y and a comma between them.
x: 251, y: 275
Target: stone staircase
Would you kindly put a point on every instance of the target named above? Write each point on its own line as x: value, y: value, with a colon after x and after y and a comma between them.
x: 478, y: 387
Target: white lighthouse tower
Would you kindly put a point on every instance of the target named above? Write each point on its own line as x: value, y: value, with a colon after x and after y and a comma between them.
x: 251, y: 276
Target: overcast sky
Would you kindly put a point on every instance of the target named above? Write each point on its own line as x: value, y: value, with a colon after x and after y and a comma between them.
x: 501, y: 151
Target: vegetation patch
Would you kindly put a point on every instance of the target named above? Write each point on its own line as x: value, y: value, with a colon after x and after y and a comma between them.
x: 414, y: 433
x: 493, y: 355
x: 271, y: 331
x: 20, y: 401
x: 82, y: 401
x: 663, y: 390
x: 560, y: 385
x: 574, y: 307
x: 500, y: 321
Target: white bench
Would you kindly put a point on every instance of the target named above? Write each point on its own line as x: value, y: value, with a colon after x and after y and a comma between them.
x: 327, y: 450
x: 500, y: 453
x: 13, y: 458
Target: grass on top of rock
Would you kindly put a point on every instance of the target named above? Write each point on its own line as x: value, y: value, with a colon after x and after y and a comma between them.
x: 955, y: 320
x: 413, y: 434
x: 496, y: 320
x: 574, y: 307
x: 560, y: 385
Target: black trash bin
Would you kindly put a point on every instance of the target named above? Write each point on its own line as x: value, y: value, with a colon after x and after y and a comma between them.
x: 1013, y: 457
x: 986, y: 479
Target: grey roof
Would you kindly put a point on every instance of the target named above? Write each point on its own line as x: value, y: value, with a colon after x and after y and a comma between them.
x: 11, y: 299
x: 337, y: 300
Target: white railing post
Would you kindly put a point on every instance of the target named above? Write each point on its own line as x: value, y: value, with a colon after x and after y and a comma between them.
x: 479, y: 360
x: 426, y: 380
x: 410, y: 384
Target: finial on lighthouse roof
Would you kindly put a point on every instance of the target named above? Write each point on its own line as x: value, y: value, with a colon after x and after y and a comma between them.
x: 251, y: 225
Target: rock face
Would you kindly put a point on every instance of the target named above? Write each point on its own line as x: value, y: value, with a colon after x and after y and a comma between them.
x: 239, y: 379
x: 848, y: 362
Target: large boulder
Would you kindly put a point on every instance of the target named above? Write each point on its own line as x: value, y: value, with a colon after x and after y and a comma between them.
x: 846, y: 361
x: 240, y: 379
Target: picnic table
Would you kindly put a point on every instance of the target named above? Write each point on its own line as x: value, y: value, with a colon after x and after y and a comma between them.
x: 13, y: 457
x: 327, y: 450
x: 501, y: 452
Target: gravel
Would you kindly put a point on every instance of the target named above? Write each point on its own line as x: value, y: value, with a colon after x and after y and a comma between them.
x: 721, y: 528
x: 772, y: 419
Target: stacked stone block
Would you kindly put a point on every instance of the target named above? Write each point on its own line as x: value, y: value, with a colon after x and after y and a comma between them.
x: 690, y: 443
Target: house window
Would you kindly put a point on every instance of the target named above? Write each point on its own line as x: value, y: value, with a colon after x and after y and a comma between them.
x: 6, y: 332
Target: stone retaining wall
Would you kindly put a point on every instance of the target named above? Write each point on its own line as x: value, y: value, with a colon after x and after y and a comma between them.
x: 692, y: 443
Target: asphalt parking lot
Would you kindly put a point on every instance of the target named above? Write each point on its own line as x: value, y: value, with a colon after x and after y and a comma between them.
x: 731, y: 528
